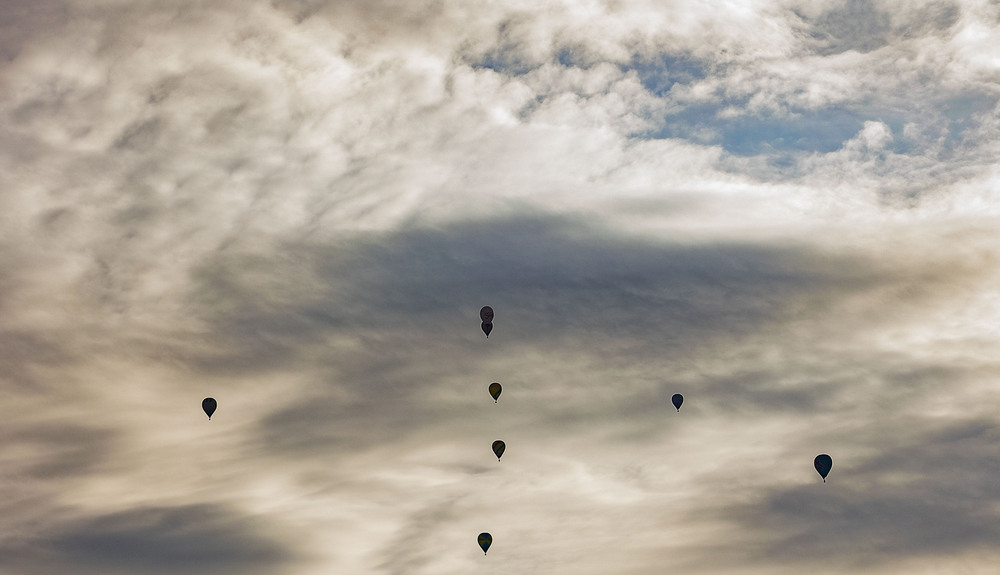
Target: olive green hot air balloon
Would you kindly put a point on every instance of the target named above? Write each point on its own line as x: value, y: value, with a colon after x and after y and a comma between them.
x: 498, y: 448
x: 485, y: 540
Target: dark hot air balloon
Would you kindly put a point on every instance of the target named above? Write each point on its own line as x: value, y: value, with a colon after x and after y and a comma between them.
x: 485, y: 540
x: 487, y: 328
x: 498, y: 447
x: 823, y: 464
x: 495, y: 390
x: 209, y: 405
x: 486, y: 314
x: 677, y: 400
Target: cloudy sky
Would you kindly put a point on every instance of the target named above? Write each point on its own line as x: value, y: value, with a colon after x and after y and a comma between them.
x: 786, y: 210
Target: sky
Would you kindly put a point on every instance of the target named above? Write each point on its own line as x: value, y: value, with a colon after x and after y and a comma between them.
x: 786, y: 210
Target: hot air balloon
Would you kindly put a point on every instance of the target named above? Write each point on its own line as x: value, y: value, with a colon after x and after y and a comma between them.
x: 677, y: 400
x: 495, y: 390
x: 486, y: 314
x: 485, y: 540
x: 498, y: 447
x: 823, y: 464
x: 209, y: 405
x: 487, y: 328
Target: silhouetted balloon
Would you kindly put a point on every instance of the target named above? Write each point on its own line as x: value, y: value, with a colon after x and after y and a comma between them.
x: 677, y: 400
x: 498, y: 447
x: 209, y: 405
x: 486, y: 314
x: 495, y: 389
x: 487, y: 328
x: 485, y: 540
x: 823, y: 464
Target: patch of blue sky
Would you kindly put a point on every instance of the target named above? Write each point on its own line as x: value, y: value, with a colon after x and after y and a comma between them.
x: 780, y: 137
x: 964, y: 112
x: 821, y: 132
x: 658, y: 75
x: 802, y: 131
x: 748, y: 135
x: 504, y: 61
x: 572, y: 58
x: 950, y: 124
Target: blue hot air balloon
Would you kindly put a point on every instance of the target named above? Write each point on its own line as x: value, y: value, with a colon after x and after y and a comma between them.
x: 677, y: 400
x: 823, y: 464
x: 209, y: 405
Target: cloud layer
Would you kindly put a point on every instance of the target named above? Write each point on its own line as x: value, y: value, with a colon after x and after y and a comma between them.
x: 784, y: 210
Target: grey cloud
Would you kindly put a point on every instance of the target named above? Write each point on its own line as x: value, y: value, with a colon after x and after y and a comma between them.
x: 60, y: 451
x: 409, y: 550
x: 190, y: 539
x: 140, y: 136
x: 510, y: 52
x: 929, y: 491
x: 931, y: 18
x: 611, y: 283
x: 559, y: 286
x: 856, y: 25
x: 867, y: 25
x: 762, y: 391
x: 301, y: 9
x: 25, y: 19
x: 371, y: 23
x: 27, y: 349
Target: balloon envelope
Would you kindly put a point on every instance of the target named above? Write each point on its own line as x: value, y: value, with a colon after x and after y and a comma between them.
x: 486, y: 314
x: 677, y: 400
x: 498, y: 447
x: 209, y: 405
x: 823, y: 464
x: 495, y: 389
x: 485, y: 540
x: 487, y: 328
